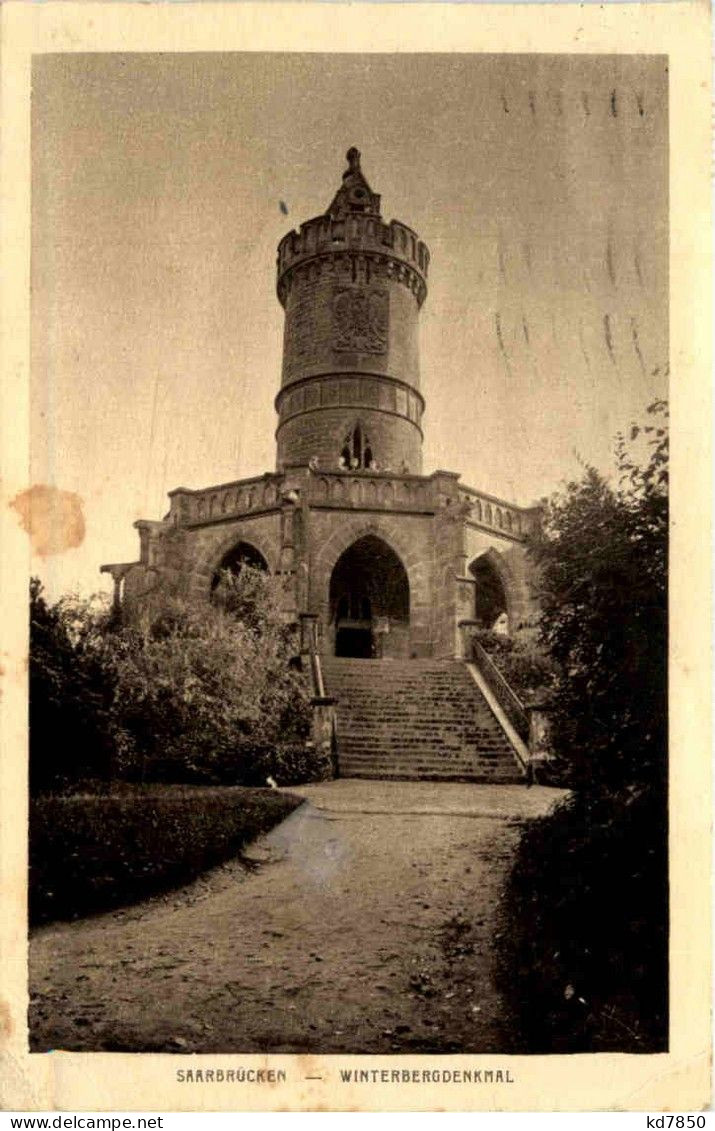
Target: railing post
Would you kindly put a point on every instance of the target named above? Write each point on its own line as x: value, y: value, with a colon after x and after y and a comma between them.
x: 308, y: 633
x: 323, y: 733
x: 540, y: 739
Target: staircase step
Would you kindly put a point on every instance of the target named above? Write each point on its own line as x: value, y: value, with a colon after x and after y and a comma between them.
x: 416, y: 719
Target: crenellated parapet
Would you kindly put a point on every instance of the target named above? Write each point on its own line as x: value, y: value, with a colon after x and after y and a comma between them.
x: 355, y: 248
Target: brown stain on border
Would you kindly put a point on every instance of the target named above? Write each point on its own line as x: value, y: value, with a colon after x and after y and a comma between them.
x: 53, y: 518
x: 6, y: 1025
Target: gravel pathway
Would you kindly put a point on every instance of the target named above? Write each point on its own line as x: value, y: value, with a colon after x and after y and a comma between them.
x: 365, y: 922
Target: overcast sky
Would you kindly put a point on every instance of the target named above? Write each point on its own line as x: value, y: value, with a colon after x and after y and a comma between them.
x: 539, y: 184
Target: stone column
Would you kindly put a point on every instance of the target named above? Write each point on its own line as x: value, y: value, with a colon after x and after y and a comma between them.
x: 540, y: 742
x: 466, y: 627
x: 117, y: 572
x: 290, y: 499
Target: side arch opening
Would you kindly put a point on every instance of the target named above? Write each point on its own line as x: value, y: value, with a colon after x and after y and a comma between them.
x: 491, y: 608
x: 233, y: 561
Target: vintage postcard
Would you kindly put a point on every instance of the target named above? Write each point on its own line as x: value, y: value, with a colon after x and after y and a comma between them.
x: 367, y: 654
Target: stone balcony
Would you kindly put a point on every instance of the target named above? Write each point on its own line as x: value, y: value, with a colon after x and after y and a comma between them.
x: 351, y: 490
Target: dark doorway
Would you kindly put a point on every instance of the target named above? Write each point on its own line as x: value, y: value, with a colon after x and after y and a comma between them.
x: 370, y: 601
x: 490, y: 607
x: 355, y: 642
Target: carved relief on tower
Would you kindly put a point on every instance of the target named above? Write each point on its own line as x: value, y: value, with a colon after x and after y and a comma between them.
x: 360, y: 320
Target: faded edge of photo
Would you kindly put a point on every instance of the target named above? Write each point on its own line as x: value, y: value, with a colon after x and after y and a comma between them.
x: 106, y: 1081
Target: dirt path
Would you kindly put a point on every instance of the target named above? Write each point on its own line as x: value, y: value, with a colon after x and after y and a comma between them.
x: 364, y: 923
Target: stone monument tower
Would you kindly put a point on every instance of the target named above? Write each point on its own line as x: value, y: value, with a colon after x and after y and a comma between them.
x: 386, y: 563
x: 352, y: 287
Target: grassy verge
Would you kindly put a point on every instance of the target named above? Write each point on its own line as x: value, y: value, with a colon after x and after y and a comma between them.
x: 92, y: 851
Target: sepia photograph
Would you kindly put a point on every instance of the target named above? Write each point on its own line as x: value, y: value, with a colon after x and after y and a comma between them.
x: 351, y: 565
x: 363, y: 746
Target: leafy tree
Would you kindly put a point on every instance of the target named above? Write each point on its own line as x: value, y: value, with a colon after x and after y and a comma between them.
x: 72, y: 691
x: 585, y: 961
x: 602, y: 558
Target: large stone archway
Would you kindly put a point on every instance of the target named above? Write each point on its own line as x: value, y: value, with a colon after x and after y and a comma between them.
x: 369, y: 598
x: 411, y: 634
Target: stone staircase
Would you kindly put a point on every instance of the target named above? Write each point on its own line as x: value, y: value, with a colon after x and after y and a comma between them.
x: 416, y: 719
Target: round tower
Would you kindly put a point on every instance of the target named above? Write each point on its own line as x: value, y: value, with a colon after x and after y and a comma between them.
x: 352, y: 287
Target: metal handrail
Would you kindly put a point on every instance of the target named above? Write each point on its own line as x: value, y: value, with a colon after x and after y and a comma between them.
x: 503, y: 690
x: 310, y: 641
x: 317, y: 669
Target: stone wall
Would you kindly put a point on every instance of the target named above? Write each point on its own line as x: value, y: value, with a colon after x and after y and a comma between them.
x: 183, y: 560
x: 208, y: 544
x: 323, y: 334
x: 321, y: 433
x: 447, y: 541
x: 436, y: 550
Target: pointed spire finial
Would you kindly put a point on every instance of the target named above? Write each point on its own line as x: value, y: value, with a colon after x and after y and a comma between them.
x: 353, y: 157
x: 355, y: 194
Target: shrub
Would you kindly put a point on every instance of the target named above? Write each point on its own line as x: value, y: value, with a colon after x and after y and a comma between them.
x: 585, y: 958
x: 248, y: 763
x: 287, y: 765
x: 196, y: 682
x: 602, y: 557
x: 523, y: 663
x: 92, y: 851
x: 179, y: 691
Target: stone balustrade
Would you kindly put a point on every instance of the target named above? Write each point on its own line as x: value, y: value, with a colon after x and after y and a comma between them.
x: 368, y: 490
x: 371, y: 490
x: 505, y: 518
x: 215, y: 503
